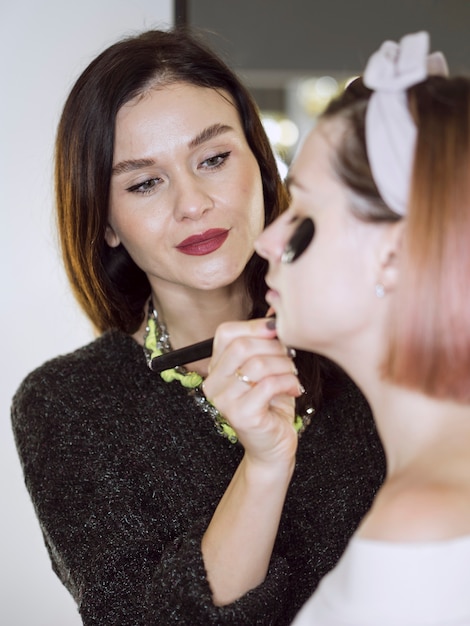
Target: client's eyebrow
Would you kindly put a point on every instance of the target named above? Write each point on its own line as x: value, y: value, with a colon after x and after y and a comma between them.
x: 205, y: 135
x: 291, y: 181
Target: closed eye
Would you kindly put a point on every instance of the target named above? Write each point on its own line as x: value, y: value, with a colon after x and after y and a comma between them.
x: 146, y: 187
x: 299, y: 241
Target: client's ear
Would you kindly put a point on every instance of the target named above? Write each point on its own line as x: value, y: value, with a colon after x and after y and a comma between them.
x: 390, y: 253
x: 111, y: 237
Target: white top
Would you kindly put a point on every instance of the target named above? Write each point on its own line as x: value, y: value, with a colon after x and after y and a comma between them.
x: 379, y: 583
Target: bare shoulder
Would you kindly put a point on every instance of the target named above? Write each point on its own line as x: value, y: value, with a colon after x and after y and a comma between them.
x: 429, y: 511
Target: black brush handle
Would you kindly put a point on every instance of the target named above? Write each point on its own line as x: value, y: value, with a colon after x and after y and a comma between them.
x: 194, y: 352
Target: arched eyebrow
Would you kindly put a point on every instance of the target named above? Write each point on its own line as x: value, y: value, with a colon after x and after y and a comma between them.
x: 131, y: 165
x: 209, y: 133
x: 205, y: 135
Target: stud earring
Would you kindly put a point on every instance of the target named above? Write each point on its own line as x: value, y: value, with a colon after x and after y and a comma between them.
x: 379, y: 290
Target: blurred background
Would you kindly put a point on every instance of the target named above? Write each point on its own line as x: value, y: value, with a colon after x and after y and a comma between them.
x: 293, y: 54
x: 296, y: 54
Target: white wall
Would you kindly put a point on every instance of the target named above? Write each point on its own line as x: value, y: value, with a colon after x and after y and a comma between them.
x: 44, y: 45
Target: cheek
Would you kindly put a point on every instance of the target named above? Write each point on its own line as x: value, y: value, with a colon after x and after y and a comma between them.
x: 297, y: 300
x: 338, y: 296
x: 312, y: 294
x: 323, y: 292
x: 257, y: 220
x: 250, y: 192
x: 142, y: 238
x: 249, y: 203
x: 136, y: 224
x: 334, y: 280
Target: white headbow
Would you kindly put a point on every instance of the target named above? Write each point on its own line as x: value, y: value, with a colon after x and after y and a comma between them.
x: 390, y: 129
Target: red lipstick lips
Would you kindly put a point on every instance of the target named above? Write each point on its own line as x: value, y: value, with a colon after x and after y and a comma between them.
x: 205, y: 243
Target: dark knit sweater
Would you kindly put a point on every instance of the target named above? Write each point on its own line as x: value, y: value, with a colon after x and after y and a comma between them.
x: 125, y: 473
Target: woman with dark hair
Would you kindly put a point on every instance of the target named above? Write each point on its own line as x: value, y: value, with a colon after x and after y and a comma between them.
x: 154, y: 509
x: 381, y: 201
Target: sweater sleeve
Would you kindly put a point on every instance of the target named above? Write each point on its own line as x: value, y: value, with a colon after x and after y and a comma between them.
x: 125, y: 473
x: 123, y: 561
x: 142, y: 584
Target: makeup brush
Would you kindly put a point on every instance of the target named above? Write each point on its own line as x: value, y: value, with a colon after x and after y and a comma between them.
x: 188, y: 354
x: 194, y: 352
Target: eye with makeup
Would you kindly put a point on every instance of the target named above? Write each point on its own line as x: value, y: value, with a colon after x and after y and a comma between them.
x: 146, y: 187
x: 299, y: 241
x: 216, y: 161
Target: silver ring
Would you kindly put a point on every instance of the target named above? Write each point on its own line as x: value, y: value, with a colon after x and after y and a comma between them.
x: 244, y: 379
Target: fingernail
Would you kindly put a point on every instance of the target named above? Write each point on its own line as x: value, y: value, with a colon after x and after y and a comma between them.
x: 291, y: 352
x: 271, y: 323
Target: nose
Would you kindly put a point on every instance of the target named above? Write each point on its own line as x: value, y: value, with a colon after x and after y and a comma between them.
x: 271, y: 242
x: 191, y: 197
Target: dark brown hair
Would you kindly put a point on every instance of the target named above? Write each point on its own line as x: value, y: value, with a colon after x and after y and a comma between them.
x: 107, y: 283
x: 109, y: 286
x: 429, y: 346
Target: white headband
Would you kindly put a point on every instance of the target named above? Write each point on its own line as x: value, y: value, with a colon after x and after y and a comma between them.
x: 390, y: 129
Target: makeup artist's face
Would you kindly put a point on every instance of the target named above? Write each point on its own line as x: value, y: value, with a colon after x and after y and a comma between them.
x: 326, y: 294
x: 186, y: 195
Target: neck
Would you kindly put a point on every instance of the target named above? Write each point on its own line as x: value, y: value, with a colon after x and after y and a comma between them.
x: 194, y: 316
x: 191, y: 316
x: 417, y: 430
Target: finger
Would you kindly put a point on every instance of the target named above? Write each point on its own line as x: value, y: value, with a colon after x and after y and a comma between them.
x: 229, y: 331
x: 260, y: 366
x: 247, y: 352
x: 239, y: 400
x: 252, y: 408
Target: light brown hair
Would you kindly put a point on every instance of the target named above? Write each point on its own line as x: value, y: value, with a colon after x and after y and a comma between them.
x: 429, y: 348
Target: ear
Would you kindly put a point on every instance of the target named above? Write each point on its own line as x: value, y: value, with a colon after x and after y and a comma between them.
x: 111, y: 237
x: 389, y: 255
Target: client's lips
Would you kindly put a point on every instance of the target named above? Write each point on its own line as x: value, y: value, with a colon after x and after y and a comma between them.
x: 205, y: 243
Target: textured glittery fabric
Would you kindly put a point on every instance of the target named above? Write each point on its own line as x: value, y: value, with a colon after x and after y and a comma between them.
x: 125, y: 473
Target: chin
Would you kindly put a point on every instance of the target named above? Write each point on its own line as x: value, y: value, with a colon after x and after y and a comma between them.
x: 217, y: 274
x: 283, y: 331
x: 288, y: 336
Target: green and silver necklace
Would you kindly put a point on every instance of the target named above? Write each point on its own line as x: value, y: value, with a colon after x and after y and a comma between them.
x: 157, y: 342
